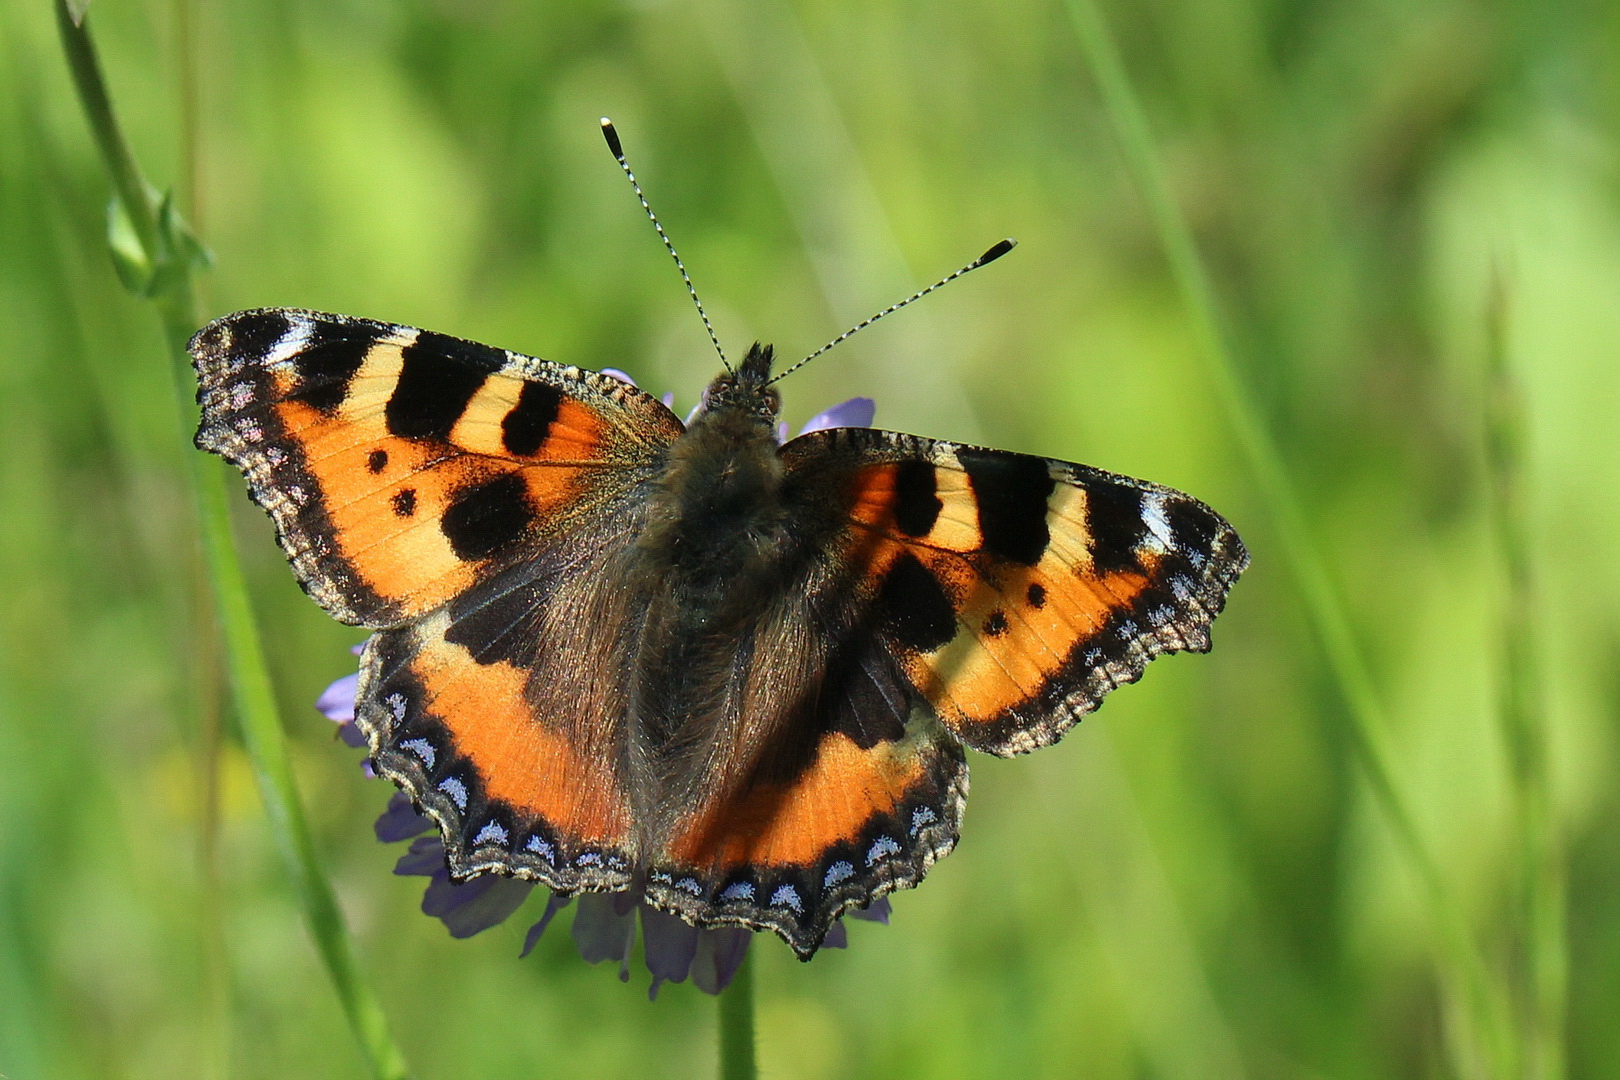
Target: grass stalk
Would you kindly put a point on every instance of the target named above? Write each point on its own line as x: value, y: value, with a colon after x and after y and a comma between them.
x: 170, y: 256
x: 1486, y: 1009
x: 737, y: 1026
x: 1542, y: 885
x: 207, y: 686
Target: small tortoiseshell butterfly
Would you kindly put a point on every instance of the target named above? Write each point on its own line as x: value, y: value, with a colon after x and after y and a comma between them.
x: 619, y: 652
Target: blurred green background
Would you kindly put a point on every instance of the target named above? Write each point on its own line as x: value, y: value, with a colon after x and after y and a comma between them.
x: 1197, y: 882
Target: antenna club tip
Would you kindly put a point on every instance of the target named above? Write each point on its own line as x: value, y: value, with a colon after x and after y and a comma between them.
x: 998, y: 250
x: 611, y: 134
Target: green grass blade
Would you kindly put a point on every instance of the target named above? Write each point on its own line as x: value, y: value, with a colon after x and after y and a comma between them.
x: 252, y: 696
x: 1485, y: 1007
x: 267, y: 749
x: 1520, y: 711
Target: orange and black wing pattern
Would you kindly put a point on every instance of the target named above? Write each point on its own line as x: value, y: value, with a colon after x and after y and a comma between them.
x: 401, y: 466
x: 851, y: 790
x: 476, y: 507
x: 503, y: 715
x: 1014, y: 592
x: 950, y: 596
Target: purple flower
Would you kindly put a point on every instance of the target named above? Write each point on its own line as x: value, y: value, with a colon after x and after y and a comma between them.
x: 605, y: 924
x: 856, y: 412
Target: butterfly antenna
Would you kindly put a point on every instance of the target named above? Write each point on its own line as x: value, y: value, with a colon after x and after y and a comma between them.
x: 612, y: 137
x: 996, y: 252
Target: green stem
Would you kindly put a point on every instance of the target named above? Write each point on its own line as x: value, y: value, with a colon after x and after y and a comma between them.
x: 1326, y: 613
x: 254, y: 701
x: 136, y: 196
x: 267, y: 749
x: 1523, y: 727
x: 737, y: 1026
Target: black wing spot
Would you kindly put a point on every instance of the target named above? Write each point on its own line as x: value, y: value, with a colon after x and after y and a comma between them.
x: 485, y: 517
x: 995, y: 624
x: 1036, y: 595
x: 916, y: 502
x: 329, y: 360
x: 498, y: 622
x: 438, y: 376
x: 249, y: 335
x: 1012, y: 491
x: 377, y: 461
x: 1114, y: 518
x: 525, y: 428
x: 1193, y: 526
x: 484, y: 358
x: 405, y: 502
x: 915, y: 607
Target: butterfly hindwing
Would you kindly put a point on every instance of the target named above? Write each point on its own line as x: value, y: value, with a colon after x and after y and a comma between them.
x: 401, y: 466
x: 486, y: 714
x: 1014, y: 592
x: 845, y: 786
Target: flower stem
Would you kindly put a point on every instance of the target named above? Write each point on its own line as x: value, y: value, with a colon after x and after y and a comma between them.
x: 1484, y: 1005
x: 170, y: 290
x: 1523, y: 721
x: 737, y: 1026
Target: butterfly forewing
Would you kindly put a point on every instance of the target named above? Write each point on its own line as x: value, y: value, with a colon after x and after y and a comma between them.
x: 1013, y: 592
x: 402, y: 466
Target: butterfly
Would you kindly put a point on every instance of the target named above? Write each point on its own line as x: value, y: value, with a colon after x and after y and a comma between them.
x: 688, y: 661
x: 615, y: 651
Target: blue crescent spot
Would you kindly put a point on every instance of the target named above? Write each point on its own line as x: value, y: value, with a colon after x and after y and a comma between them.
x: 456, y: 790
x: 422, y: 749
x: 920, y: 817
x: 881, y: 848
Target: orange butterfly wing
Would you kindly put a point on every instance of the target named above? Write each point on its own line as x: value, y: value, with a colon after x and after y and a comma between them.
x: 1014, y: 591
x: 399, y: 465
x: 470, y: 502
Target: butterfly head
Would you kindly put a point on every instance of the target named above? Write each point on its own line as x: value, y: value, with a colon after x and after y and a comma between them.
x: 745, y: 391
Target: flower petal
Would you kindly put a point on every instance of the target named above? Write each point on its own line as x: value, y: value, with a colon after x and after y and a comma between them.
x: 669, y: 945
x: 425, y: 859
x: 877, y: 911
x: 856, y: 412
x: 336, y: 702
x: 601, y: 932
x: 400, y: 821
x: 837, y: 937
x: 553, y: 905
x: 617, y: 374
x: 471, y: 906
x: 720, y: 953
